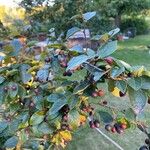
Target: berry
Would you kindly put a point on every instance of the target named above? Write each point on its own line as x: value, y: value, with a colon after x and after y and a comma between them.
x: 144, y: 147
x: 100, y: 93
x: 14, y: 88
x: 94, y: 94
x: 113, y: 129
x: 65, y: 117
x: 108, y: 127
x: 90, y: 113
x: 91, y: 123
x: 32, y: 104
x: 96, y: 123
x: 129, y: 74
x: 63, y: 126
x: 36, y: 91
x: 68, y: 73
x: 147, y: 141
x: 65, y: 109
x: 47, y: 59
x: 123, y: 126
x: 104, y: 102
x: 63, y: 64
x: 27, y: 87
x: 109, y: 60
x: 118, y: 129
x: 121, y: 94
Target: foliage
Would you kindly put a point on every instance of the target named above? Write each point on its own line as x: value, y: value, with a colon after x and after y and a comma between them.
x: 41, y: 106
x: 139, y: 24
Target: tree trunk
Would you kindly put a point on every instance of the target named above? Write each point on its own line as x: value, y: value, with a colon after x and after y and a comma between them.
x: 118, y: 21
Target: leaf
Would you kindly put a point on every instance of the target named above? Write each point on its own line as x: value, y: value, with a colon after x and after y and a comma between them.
x: 57, y: 106
x: 72, y: 31
x: 76, y: 61
x: 37, y: 118
x: 115, y: 72
x: 16, y: 47
x: 138, y: 99
x: 111, y: 85
x: 105, y: 117
x: 91, y: 53
x: 138, y: 70
x: 66, y: 135
x: 44, y: 128
x: 135, y: 83
x: 129, y: 114
x: 145, y: 82
x: 121, y: 85
x: 13, y: 93
x: 77, y: 48
x: 107, y: 49
x: 2, y: 79
x: 113, y: 32
x: 87, y: 16
x: 55, y: 97
x: 11, y: 142
x: 3, y: 126
x: 116, y: 92
x: 25, y: 77
x: 74, y: 119
x: 81, y: 87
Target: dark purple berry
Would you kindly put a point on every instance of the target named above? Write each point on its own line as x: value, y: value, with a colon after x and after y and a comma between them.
x: 122, y: 94
x: 108, y: 127
x: 14, y: 88
x: 47, y: 59
x: 144, y: 147
x: 147, y: 141
x: 96, y: 123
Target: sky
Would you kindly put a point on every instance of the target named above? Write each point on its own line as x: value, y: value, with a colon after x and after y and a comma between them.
x: 10, y: 3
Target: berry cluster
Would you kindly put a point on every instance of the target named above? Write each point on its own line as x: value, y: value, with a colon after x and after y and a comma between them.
x: 147, y: 146
x: 99, y: 93
x: 117, y: 127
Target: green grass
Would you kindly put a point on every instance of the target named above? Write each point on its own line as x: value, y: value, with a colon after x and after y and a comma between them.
x: 135, y: 52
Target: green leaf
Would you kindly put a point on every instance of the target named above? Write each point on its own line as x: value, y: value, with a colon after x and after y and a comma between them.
x: 105, y: 117
x: 145, y: 82
x: 121, y: 85
x: 91, y: 53
x: 107, y: 49
x: 76, y: 61
x: 81, y: 87
x: 43, y: 74
x: 31, y: 43
x: 138, y: 99
x: 56, y: 97
x: 11, y: 142
x: 16, y: 47
x: 135, y: 83
x: 13, y: 93
x: 2, y: 79
x: 25, y: 76
x: 44, y: 128
x: 77, y: 48
x: 73, y: 119
x: 87, y: 16
x: 111, y: 85
x: 57, y: 106
x: 138, y: 70
x: 115, y: 72
x: 129, y: 114
x: 72, y: 31
x: 37, y: 118
x: 3, y: 126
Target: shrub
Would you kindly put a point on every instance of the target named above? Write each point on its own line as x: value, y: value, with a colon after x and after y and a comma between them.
x: 41, y: 107
x: 139, y: 24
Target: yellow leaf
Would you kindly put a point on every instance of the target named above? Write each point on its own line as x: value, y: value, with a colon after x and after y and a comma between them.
x: 115, y: 92
x: 82, y: 119
x: 138, y: 72
x: 104, y: 38
x: 56, y: 139
x: 66, y: 135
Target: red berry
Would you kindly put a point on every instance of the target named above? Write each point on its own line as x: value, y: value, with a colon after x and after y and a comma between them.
x: 109, y: 60
x: 108, y: 127
x: 123, y: 126
x: 96, y: 123
x: 100, y: 93
x: 94, y: 94
x: 65, y: 118
x: 113, y: 129
x: 91, y: 123
x: 63, y: 64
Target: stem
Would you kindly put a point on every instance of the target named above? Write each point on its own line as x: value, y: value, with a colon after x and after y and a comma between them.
x: 85, y: 35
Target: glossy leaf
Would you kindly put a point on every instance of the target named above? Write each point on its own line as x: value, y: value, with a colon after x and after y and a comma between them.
x: 107, y: 49
x: 13, y: 93
x: 105, y: 117
x: 115, y: 72
x: 2, y: 79
x: 121, y: 85
x: 11, y: 142
x: 77, y: 48
x: 3, y: 125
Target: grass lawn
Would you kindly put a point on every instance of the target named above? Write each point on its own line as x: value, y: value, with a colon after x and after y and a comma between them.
x: 135, y: 52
